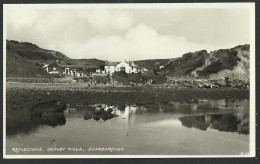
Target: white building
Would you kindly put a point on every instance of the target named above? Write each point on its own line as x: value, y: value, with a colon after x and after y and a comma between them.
x: 161, y: 67
x: 128, y: 67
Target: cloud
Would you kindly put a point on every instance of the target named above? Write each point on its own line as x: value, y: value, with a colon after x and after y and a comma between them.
x: 107, y: 19
x: 20, y: 16
x: 119, y: 34
x: 141, y: 42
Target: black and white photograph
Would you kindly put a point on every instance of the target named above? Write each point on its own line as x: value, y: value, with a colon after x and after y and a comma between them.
x: 129, y: 80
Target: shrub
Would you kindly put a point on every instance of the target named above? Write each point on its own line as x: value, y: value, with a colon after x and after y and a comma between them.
x: 102, y: 79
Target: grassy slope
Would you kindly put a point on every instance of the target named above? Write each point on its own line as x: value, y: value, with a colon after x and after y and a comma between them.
x: 151, y: 64
x: 17, y: 66
x: 186, y: 64
x: 33, y: 52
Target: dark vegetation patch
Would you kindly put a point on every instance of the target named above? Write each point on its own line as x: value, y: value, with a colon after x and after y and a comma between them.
x: 152, y: 63
x: 186, y: 64
x: 139, y: 78
x: 16, y: 66
x: 226, y: 59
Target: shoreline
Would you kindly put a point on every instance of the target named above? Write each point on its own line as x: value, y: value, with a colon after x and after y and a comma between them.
x: 103, y: 87
x: 20, y: 96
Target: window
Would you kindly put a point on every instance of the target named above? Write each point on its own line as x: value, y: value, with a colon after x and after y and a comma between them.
x: 122, y: 68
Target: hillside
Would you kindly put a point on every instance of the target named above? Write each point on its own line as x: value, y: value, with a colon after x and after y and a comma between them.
x: 17, y: 66
x: 26, y: 60
x: 95, y: 62
x: 33, y: 52
x: 186, y: 64
x: 232, y: 63
x: 151, y: 64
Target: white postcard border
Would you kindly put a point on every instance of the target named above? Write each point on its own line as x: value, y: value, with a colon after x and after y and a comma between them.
x: 252, y: 137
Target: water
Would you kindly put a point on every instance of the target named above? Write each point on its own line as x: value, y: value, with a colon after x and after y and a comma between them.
x: 209, y: 127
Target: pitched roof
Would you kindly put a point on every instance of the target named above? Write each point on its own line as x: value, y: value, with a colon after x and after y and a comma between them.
x: 130, y: 63
x: 111, y: 63
x: 80, y: 66
x: 53, y: 65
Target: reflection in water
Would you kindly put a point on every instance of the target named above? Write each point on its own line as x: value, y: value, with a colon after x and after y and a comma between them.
x: 230, y: 122
x: 154, y: 128
x: 26, y: 121
x: 195, y: 121
x: 52, y: 120
x: 201, y: 115
x: 18, y: 122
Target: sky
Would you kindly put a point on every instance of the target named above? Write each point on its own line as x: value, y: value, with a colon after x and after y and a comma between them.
x: 128, y: 33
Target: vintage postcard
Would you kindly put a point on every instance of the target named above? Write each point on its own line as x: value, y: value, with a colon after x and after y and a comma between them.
x: 129, y: 80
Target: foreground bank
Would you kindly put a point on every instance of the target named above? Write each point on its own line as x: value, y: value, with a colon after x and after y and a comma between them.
x: 24, y: 95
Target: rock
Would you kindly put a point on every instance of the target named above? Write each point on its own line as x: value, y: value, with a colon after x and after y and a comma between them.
x: 96, y: 117
x: 96, y: 112
x: 51, y: 106
x: 206, y: 85
x: 103, y: 117
x: 110, y: 115
x: 110, y: 110
x: 201, y: 85
x: 196, y: 101
x: 87, y: 116
x: 107, y: 115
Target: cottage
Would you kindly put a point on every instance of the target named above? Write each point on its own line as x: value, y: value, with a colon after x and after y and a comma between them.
x: 110, y: 67
x: 71, y: 70
x: 79, y: 70
x: 54, y: 68
x: 128, y: 67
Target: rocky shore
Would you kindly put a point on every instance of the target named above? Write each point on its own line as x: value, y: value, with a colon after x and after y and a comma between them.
x: 24, y: 96
x: 170, y: 83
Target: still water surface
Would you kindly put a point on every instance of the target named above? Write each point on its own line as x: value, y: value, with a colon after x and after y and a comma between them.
x: 209, y: 127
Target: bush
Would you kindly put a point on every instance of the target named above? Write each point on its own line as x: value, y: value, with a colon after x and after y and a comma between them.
x: 226, y: 60
x: 214, y: 67
x: 138, y: 78
x: 102, y: 79
x: 120, y: 74
x: 186, y: 56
